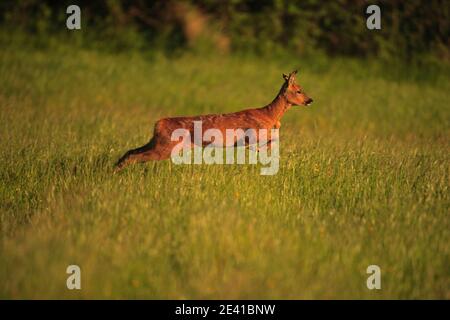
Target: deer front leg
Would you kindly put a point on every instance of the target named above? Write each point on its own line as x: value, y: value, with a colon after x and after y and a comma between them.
x: 256, y: 148
x: 267, y: 141
x: 267, y: 145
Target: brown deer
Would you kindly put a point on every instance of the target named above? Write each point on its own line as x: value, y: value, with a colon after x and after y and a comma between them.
x: 160, y: 146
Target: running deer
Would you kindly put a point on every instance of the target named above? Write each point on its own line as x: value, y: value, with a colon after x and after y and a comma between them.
x: 160, y: 146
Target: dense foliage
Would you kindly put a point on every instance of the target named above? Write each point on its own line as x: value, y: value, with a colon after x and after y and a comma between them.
x: 409, y: 28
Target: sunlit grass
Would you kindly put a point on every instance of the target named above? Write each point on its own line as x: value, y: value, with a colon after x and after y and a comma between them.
x: 364, y: 178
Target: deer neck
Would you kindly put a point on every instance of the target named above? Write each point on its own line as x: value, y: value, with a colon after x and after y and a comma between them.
x: 277, y: 107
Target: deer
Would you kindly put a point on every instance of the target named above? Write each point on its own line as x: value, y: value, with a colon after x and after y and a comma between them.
x: 267, y: 117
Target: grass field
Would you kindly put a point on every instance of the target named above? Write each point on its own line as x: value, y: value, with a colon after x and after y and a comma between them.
x: 363, y: 179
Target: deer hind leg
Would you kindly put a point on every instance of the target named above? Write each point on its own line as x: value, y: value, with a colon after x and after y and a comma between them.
x: 156, y: 149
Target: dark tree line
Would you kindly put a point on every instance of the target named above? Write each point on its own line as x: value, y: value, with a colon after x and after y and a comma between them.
x: 409, y: 28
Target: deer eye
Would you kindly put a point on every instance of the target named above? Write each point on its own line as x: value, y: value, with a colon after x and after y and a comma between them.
x: 299, y: 91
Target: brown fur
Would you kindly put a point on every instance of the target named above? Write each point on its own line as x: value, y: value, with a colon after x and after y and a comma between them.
x: 267, y: 117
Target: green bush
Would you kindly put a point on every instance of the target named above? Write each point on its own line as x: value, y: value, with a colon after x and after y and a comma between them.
x: 410, y: 29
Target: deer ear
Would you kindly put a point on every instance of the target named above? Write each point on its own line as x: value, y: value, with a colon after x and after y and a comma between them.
x: 291, y: 78
x: 285, y: 77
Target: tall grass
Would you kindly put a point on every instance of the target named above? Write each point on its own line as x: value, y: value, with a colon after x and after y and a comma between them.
x: 364, y: 179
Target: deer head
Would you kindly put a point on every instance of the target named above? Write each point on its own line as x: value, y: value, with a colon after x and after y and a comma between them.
x: 293, y: 92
